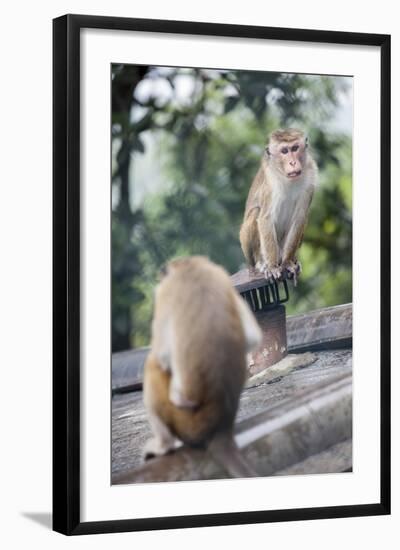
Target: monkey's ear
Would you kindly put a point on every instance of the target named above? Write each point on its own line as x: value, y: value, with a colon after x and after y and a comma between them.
x: 268, y: 151
x: 163, y: 271
x: 306, y: 141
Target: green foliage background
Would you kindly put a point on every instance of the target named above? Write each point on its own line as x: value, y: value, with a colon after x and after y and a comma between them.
x: 206, y: 147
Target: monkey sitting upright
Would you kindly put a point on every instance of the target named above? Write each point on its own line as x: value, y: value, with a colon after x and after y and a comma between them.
x: 196, y: 369
x: 277, y: 206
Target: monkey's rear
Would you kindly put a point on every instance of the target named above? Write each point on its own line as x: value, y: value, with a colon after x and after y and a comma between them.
x: 202, y: 362
x: 196, y: 426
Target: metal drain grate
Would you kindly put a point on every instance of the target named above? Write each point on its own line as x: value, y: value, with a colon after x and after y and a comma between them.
x: 265, y: 297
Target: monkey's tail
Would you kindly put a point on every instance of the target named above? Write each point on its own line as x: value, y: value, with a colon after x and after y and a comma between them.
x: 225, y: 451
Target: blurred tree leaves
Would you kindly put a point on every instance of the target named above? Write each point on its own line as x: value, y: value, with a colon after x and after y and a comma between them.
x: 209, y: 141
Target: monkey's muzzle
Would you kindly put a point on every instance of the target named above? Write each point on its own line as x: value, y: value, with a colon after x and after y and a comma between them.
x: 294, y: 174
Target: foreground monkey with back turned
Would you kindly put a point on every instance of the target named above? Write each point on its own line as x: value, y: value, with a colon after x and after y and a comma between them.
x: 195, y: 372
x: 277, y: 206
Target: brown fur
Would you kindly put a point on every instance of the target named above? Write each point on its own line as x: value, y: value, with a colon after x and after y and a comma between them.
x: 286, y: 135
x: 195, y: 427
x: 270, y: 239
x: 198, y: 338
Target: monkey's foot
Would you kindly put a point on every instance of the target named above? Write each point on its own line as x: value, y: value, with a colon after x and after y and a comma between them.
x: 272, y: 274
x: 253, y: 271
x: 292, y: 270
x: 179, y: 400
x: 157, y: 447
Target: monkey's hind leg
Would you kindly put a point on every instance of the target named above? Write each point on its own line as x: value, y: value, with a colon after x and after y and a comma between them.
x: 155, y: 394
x: 249, y: 239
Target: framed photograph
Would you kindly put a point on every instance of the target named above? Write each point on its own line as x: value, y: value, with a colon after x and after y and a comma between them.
x: 221, y: 195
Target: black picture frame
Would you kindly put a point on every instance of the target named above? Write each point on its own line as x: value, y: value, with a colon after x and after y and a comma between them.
x: 66, y: 273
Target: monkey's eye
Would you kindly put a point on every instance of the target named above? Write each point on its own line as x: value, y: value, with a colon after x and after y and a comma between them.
x: 295, y: 148
x: 284, y: 150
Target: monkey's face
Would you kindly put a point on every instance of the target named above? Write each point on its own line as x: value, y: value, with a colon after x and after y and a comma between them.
x: 289, y: 157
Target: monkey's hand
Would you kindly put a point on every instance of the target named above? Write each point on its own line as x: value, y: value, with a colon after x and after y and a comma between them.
x: 292, y: 270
